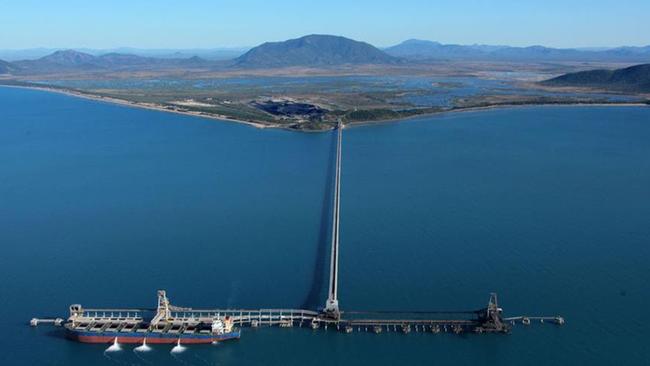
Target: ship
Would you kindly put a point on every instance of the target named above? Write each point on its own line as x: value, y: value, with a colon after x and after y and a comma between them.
x: 168, y: 325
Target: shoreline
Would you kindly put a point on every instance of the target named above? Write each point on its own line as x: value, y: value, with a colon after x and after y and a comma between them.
x: 259, y: 125
x: 127, y: 103
x: 494, y: 107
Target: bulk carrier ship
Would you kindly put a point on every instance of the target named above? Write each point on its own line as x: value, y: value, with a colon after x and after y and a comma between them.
x: 170, y: 325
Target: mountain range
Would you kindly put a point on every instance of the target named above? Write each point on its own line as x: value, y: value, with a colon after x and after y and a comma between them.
x: 308, y: 51
x: 421, y: 50
x: 630, y: 79
x: 223, y: 53
x: 316, y: 51
x: 71, y: 60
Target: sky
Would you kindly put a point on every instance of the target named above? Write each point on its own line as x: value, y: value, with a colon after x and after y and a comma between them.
x: 244, y: 23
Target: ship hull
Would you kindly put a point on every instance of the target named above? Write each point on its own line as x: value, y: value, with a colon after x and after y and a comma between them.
x: 151, y: 337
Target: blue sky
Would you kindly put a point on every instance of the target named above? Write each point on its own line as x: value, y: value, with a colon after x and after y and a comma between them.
x: 218, y: 23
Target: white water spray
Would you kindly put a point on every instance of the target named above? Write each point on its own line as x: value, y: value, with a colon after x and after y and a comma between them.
x: 143, y: 347
x: 114, y: 347
x: 178, y: 348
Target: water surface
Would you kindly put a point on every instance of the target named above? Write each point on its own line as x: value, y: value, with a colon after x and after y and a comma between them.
x: 549, y: 206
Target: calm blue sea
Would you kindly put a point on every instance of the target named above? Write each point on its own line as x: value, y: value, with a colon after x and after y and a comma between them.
x: 548, y: 206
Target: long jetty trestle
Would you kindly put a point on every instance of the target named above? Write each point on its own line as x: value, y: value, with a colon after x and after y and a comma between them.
x: 332, y: 304
x: 487, y: 320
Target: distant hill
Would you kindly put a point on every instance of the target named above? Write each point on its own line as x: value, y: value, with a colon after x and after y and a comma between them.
x: 65, y: 60
x: 630, y: 79
x: 314, y: 50
x: 71, y: 60
x: 419, y: 49
x: 68, y: 58
x: 121, y: 59
x: 59, y: 60
x: 223, y: 53
x: 5, y: 67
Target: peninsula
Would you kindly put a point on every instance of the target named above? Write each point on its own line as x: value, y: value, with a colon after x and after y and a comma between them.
x: 311, y: 83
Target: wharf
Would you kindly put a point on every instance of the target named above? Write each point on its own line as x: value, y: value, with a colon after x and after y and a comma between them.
x: 179, y: 320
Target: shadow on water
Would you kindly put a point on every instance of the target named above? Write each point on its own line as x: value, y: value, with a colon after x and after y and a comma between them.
x: 56, y: 333
x: 313, y: 299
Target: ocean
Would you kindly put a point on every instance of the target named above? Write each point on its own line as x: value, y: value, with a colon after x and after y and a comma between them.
x: 549, y: 207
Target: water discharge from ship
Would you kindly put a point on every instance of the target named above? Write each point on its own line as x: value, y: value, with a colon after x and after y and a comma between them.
x: 114, y: 347
x: 139, y: 353
x: 143, y: 347
x: 178, y: 348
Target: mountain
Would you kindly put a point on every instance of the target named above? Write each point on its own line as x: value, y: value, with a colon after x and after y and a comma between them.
x: 630, y: 79
x: 68, y: 58
x: 418, y: 49
x: 314, y: 50
x: 65, y: 60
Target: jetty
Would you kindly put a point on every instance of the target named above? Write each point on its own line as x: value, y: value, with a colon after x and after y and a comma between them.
x: 489, y: 319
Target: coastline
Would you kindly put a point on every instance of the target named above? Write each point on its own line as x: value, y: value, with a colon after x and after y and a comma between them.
x: 493, y: 107
x: 127, y: 103
x: 160, y: 108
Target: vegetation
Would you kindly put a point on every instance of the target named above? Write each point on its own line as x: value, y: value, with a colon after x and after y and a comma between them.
x: 630, y: 79
x: 382, y: 114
